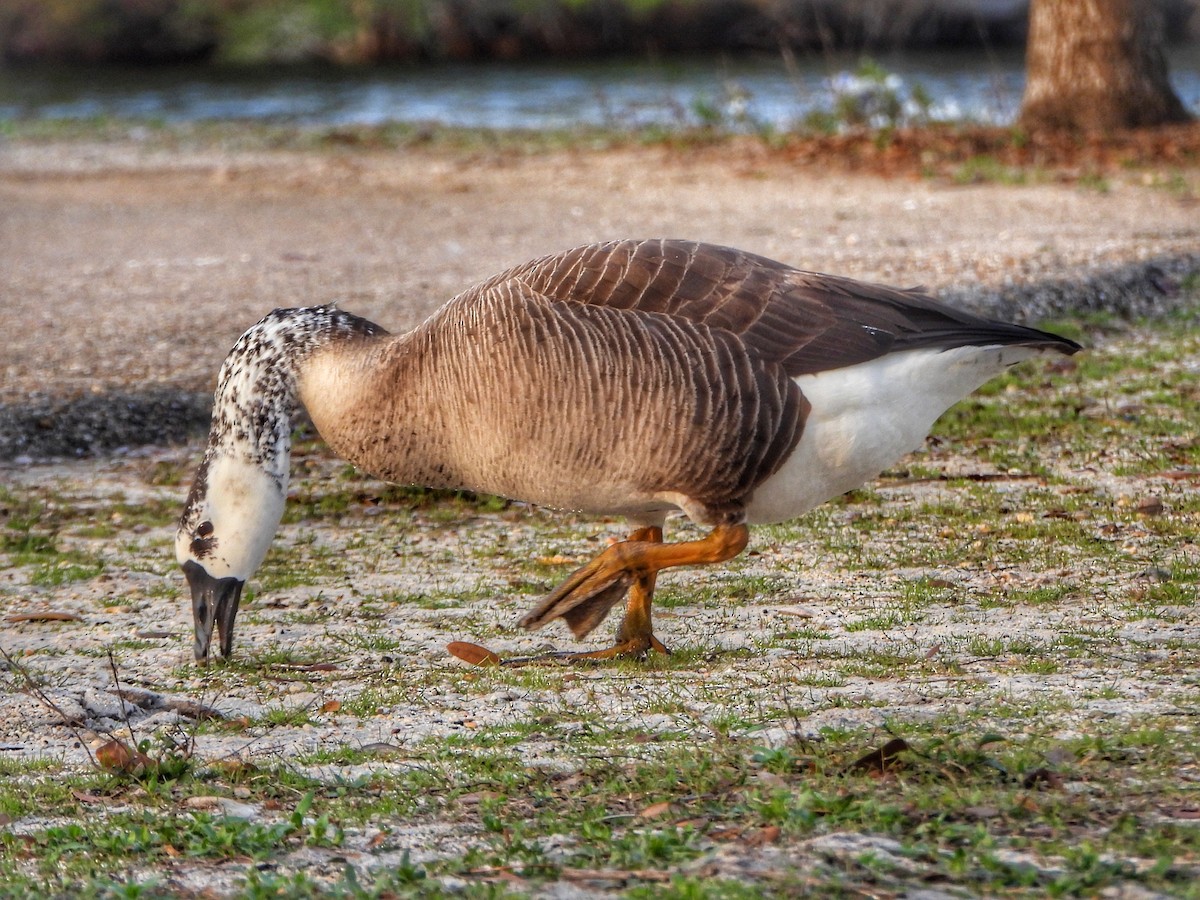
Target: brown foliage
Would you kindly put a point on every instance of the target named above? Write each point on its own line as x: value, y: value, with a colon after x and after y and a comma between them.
x: 943, y: 151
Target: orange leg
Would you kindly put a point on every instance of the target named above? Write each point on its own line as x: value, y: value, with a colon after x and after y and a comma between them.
x: 632, y: 566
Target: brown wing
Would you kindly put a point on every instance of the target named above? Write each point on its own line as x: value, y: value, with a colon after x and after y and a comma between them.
x: 806, y: 321
x: 692, y: 349
x: 617, y: 396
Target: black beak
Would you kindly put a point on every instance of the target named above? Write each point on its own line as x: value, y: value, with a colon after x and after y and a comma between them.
x: 214, y: 602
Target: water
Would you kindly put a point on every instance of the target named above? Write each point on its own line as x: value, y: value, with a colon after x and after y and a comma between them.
x: 755, y: 93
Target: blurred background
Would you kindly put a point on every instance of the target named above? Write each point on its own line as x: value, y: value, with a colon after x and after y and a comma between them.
x: 753, y: 65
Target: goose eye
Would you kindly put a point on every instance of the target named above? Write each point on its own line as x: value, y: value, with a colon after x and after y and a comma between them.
x: 204, y: 529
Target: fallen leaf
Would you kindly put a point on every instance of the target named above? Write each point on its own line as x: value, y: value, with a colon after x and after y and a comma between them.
x: 85, y: 797
x: 155, y: 635
x: 307, y: 667
x: 43, y: 617
x: 116, y: 756
x: 655, y: 810
x: 879, y: 761
x: 473, y: 654
x: 760, y: 837
x: 331, y: 706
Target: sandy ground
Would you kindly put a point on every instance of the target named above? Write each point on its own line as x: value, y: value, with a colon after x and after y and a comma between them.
x: 130, y: 269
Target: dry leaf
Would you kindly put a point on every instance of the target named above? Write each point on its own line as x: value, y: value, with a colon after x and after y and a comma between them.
x: 473, y: 654
x: 116, y: 756
x: 768, y: 834
x: 655, y: 810
x: 879, y: 761
x: 331, y: 706
x: 43, y: 617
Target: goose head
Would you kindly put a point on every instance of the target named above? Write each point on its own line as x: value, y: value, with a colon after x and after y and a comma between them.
x: 238, y: 495
x: 228, y: 523
x: 239, y: 491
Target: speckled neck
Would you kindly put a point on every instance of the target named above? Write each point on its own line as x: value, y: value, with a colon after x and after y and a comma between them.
x: 256, y: 390
x: 256, y: 394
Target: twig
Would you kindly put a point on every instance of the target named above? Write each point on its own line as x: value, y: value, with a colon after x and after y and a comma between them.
x: 112, y: 665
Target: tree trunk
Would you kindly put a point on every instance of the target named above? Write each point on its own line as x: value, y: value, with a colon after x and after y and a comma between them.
x: 1097, y: 65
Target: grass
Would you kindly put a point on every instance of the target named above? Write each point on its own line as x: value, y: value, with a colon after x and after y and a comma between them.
x: 1004, y: 604
x: 1030, y: 814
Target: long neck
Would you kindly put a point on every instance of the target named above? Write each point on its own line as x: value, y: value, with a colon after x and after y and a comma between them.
x: 257, y: 393
x: 371, y: 403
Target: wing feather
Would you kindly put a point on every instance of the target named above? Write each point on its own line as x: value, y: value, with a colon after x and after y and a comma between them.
x: 806, y: 321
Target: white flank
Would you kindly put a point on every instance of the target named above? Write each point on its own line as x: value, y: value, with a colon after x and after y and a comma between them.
x: 865, y: 417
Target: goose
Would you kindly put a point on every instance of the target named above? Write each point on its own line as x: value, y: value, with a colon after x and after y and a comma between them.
x: 632, y: 378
